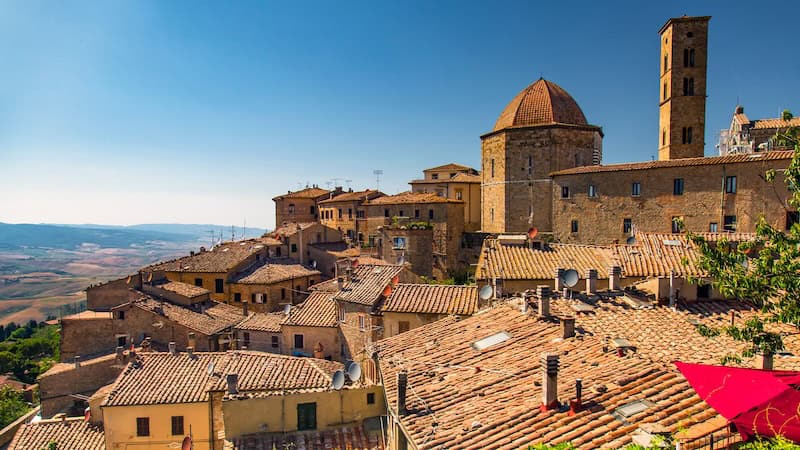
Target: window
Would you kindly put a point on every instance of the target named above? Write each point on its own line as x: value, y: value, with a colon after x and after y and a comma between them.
x: 677, y: 186
x: 666, y: 63
x: 792, y: 217
x: 312, y: 210
x: 294, y: 248
x: 386, y: 212
x: 370, y: 398
x: 274, y: 341
x: 340, y: 311
x: 198, y: 282
x: 237, y: 297
x: 121, y: 315
x: 277, y: 251
x: 401, y: 213
x: 291, y: 208
x: 664, y: 136
x: 704, y: 291
x: 143, y: 426
x: 491, y: 212
x: 627, y: 225
x: 459, y: 194
x: 730, y: 223
x: 283, y: 293
x: 122, y: 341
x: 691, y: 57
x: 592, y: 191
x: 435, y: 176
x: 398, y: 242
x: 676, y: 224
x: 492, y: 167
x: 665, y: 90
x: 452, y: 174
x: 636, y: 189
x: 246, y: 341
x: 686, y: 57
x: 219, y: 286
x: 298, y: 341
x: 430, y: 214
x: 177, y: 424
x: 687, y: 135
x: 712, y: 227
x: 416, y: 214
x: 574, y: 226
x: 730, y: 185
x: 530, y: 165
x: 688, y: 86
x: 403, y: 326
x: 340, y: 213
x: 362, y: 322
x: 349, y: 213
x: 306, y: 416
x: 564, y: 191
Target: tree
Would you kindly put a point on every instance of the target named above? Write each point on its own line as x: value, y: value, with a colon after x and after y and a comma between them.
x: 12, y: 406
x: 764, y: 272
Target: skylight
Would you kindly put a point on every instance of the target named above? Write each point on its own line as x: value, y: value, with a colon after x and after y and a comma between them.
x: 631, y: 409
x: 489, y: 341
x: 673, y: 242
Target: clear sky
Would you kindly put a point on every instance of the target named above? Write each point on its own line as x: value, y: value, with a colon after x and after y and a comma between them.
x: 200, y: 112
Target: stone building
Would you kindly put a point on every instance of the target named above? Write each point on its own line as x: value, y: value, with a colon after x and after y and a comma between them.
x: 346, y: 213
x: 542, y: 130
x: 300, y: 206
x: 455, y: 182
x: 751, y: 136
x: 682, y: 106
x: 413, y: 305
x: 261, y: 332
x: 399, y: 244
x: 271, y: 283
x: 296, y: 237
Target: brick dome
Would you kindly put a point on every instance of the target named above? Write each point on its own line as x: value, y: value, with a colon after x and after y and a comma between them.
x: 542, y: 103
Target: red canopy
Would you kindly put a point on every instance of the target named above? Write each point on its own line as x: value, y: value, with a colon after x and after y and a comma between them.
x: 763, y: 402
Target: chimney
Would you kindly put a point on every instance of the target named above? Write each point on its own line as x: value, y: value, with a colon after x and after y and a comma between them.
x: 614, y: 276
x: 549, y: 381
x: 567, y: 327
x: 190, y: 352
x: 766, y: 360
x: 591, y: 281
x: 402, y: 382
x: 558, y: 285
x: 172, y: 350
x: 233, y: 383
x: 192, y: 342
x: 244, y: 307
x: 575, y: 405
x: 120, y: 353
x: 77, y: 360
x: 543, y: 294
x: 339, y: 283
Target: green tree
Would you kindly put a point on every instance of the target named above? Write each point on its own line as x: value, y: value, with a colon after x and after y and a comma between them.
x: 763, y: 272
x: 12, y: 406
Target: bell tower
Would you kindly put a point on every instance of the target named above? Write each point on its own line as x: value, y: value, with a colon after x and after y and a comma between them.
x: 682, y: 91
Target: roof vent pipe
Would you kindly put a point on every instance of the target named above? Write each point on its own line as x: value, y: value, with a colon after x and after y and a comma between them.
x: 591, y: 281
x: 567, y: 327
x: 614, y: 276
x: 575, y: 405
x: 543, y: 295
x: 190, y: 352
x: 549, y: 381
x: 172, y: 350
x: 77, y: 360
x: 402, y: 383
x: 559, y: 280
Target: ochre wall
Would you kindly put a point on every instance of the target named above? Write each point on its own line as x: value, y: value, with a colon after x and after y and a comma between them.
x: 327, y: 336
x: 120, y: 425
x: 391, y: 326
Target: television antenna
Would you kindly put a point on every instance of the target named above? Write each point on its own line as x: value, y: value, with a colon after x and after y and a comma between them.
x: 347, y: 182
x: 378, y: 173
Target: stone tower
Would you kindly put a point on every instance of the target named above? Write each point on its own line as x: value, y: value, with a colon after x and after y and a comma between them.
x: 682, y: 92
x: 542, y: 130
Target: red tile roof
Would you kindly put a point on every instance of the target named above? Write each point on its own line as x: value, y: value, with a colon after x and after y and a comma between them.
x: 368, y: 283
x: 209, y: 318
x: 337, y: 438
x: 290, y: 229
x: 541, y: 103
x: 353, y: 196
x: 450, y: 166
x: 183, y: 289
x: 685, y: 162
x: 71, y: 434
x: 776, y: 123
x: 520, y: 262
x: 270, y: 271
x: 459, y: 178
x: 268, y: 322
x: 411, y: 198
x: 309, y: 192
x: 220, y: 259
x: 318, y: 310
x: 432, y: 299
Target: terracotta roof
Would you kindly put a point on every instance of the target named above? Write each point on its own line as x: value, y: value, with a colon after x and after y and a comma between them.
x: 221, y: 258
x: 519, y: 262
x: 411, y: 198
x: 309, y: 192
x: 270, y: 271
x: 335, y: 438
x: 450, y: 166
x: 318, y: 310
x: 368, y: 283
x: 354, y: 196
x: 183, y: 289
x: 269, y: 322
x: 432, y: 299
x: 685, y: 162
x: 541, y: 103
x: 290, y: 229
x: 209, y: 318
x: 490, y: 398
x: 459, y: 178
x: 162, y: 378
x: 776, y: 123
x: 71, y: 434
x: 89, y: 314
x: 657, y: 254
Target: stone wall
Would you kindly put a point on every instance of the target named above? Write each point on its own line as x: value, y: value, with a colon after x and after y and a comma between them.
x: 417, y: 252
x: 327, y: 336
x: 704, y: 201
x: 57, y: 384
x: 277, y: 294
x: 87, y: 335
x: 298, y: 210
x: 103, y: 297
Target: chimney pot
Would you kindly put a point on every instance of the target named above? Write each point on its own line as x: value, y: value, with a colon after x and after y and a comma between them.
x: 172, y: 349
x: 591, y: 281
x: 233, y: 383
x: 77, y: 360
x: 614, y: 276
x: 549, y: 381
x: 558, y: 284
x: 543, y: 295
x: 190, y: 351
x: 766, y: 361
x: 245, y: 307
x: 402, y: 383
x: 567, y: 327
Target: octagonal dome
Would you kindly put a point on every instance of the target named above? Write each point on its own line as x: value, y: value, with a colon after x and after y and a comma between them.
x: 541, y: 103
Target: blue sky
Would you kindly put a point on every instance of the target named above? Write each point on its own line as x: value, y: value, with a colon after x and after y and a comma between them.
x: 197, y: 112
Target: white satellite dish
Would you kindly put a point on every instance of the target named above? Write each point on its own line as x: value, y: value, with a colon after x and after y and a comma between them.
x: 485, y: 293
x: 287, y: 308
x: 354, y: 371
x: 314, y: 264
x: 338, y: 380
x: 210, y: 368
x: 570, y: 277
x: 631, y: 240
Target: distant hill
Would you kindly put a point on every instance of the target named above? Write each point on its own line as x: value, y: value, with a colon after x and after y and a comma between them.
x: 66, y: 237
x: 200, y: 231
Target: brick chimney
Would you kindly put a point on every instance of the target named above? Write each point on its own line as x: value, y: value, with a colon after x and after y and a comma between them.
x: 192, y: 341
x: 244, y: 307
x: 567, y: 327
x: 402, y: 383
x: 77, y: 360
x: 232, y: 380
x: 614, y: 277
x: 549, y: 381
x: 558, y: 284
x: 543, y: 296
x: 591, y: 281
x: 172, y: 349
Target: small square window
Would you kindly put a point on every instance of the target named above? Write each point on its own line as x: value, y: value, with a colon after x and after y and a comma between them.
x: 237, y: 297
x: 274, y: 342
x: 676, y: 224
x: 177, y: 425
x: 564, y: 191
x: 712, y: 227
x: 362, y: 322
x: 730, y: 223
x: 398, y: 243
x: 730, y: 185
x: 430, y: 214
x: 627, y: 225
x: 416, y: 214
x: 636, y: 189
x: 574, y: 226
x: 121, y: 315
x: 142, y: 426
x: 219, y: 286
x: 198, y: 282
x: 592, y: 191
x: 298, y: 341
x: 294, y: 248
x: 370, y: 398
x: 677, y: 186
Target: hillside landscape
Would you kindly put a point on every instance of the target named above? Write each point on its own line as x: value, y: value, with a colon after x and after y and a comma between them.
x: 45, y: 268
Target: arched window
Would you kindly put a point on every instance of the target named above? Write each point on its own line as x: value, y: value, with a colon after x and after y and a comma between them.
x: 691, y: 86
x: 666, y: 62
x: 686, y: 57
x: 691, y: 58
x: 664, y: 136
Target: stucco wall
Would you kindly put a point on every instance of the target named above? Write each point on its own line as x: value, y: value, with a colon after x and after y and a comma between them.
x: 120, y: 425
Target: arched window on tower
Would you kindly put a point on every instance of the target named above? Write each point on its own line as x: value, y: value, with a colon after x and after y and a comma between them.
x: 664, y: 136
x: 666, y: 62
x: 665, y: 90
x: 685, y: 86
x: 686, y: 57
x: 691, y: 57
x: 691, y: 86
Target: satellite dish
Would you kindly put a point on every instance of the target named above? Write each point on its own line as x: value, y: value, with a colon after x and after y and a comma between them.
x: 631, y: 240
x: 485, y: 293
x: 287, y: 308
x: 338, y: 380
x: 210, y: 368
x: 187, y: 443
x: 150, y: 277
x: 533, y: 232
x: 314, y: 264
x: 354, y: 371
x: 87, y: 414
x: 570, y: 277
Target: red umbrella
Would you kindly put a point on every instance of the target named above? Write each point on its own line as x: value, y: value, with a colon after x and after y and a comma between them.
x: 759, y: 402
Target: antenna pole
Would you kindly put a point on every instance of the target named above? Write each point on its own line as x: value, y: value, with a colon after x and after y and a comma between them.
x: 378, y: 173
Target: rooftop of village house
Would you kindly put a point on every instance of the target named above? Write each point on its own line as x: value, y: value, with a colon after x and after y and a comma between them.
x: 357, y: 437
x: 351, y: 196
x: 274, y: 270
x: 432, y: 299
x: 68, y: 433
x: 311, y: 192
x: 220, y: 258
x: 208, y: 317
x: 411, y: 198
